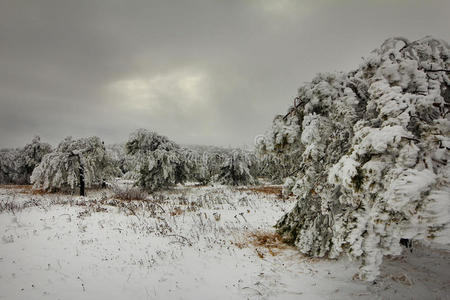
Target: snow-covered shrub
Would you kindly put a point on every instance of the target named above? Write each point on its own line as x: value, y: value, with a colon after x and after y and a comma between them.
x: 157, y: 162
x: 74, y: 163
x: 16, y: 165
x: 236, y: 169
x: 374, y: 148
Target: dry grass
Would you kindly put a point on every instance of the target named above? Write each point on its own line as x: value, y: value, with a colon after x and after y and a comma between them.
x: 176, y: 211
x: 29, y: 190
x: 269, y: 190
x: 40, y: 192
x: 15, y: 187
x: 264, y: 242
x: 270, y: 240
x: 402, y: 279
x: 272, y: 243
x: 128, y: 193
x: 24, y: 189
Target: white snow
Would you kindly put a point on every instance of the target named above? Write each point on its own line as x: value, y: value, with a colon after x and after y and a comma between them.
x: 187, y: 243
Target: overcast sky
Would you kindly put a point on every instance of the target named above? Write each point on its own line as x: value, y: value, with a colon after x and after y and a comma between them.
x: 199, y: 72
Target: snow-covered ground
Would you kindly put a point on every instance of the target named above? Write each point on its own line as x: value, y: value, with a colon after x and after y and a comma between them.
x: 187, y: 243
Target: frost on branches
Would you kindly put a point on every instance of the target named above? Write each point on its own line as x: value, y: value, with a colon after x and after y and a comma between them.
x: 374, y: 149
x: 74, y: 163
x: 280, y: 150
x: 237, y: 169
x: 158, y: 162
x: 16, y: 165
x: 228, y: 166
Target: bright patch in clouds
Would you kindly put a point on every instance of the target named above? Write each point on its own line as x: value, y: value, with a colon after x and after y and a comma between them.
x: 278, y: 7
x: 288, y: 8
x: 183, y: 90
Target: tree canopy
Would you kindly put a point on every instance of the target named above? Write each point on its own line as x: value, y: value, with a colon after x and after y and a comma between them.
x: 74, y: 162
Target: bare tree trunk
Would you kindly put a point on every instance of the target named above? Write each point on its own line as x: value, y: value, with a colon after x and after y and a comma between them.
x: 82, y: 190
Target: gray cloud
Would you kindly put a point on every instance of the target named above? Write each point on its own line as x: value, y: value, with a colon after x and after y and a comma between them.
x: 210, y: 72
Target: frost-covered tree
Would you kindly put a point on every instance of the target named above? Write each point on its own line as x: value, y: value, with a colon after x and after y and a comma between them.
x: 120, y: 159
x: 196, y: 165
x: 236, y: 169
x: 158, y: 162
x: 9, y: 166
x: 75, y: 163
x: 229, y: 166
x: 275, y: 167
x: 32, y: 155
x: 16, y: 165
x: 373, y: 150
x: 280, y: 150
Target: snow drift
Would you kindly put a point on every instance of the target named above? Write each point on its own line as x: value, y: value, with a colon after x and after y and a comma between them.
x: 372, y: 149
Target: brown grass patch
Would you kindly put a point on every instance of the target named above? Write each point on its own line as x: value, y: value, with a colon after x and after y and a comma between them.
x: 270, y: 240
x: 24, y: 189
x: 270, y: 190
x: 176, y: 211
x: 240, y: 245
x: 264, y: 242
x: 15, y: 187
x: 29, y: 190
x: 39, y: 192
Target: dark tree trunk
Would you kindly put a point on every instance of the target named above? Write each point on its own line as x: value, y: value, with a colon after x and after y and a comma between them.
x: 82, y: 190
x: 407, y: 243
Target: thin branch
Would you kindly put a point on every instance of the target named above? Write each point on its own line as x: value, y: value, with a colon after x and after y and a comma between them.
x: 438, y: 70
x: 410, y: 139
x: 296, y: 105
x: 182, y: 237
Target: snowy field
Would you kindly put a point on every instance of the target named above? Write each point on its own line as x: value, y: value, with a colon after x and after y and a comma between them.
x: 187, y: 243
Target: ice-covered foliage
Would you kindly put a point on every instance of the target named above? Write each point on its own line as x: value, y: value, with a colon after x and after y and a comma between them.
x: 32, y: 155
x: 288, y: 185
x: 62, y: 168
x: 119, y: 158
x: 16, y: 165
x: 277, y: 166
x: 236, y: 169
x: 158, y: 162
x: 373, y: 149
x: 229, y: 166
x: 9, y: 167
x: 279, y: 150
x: 209, y: 160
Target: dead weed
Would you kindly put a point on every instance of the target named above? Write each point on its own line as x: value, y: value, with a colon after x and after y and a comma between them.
x: 264, y: 242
